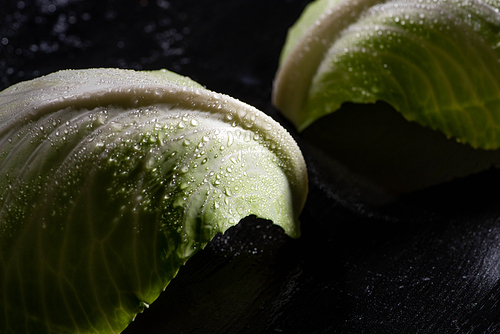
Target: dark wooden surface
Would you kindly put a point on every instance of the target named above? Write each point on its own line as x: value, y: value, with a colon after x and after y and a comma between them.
x: 428, y: 262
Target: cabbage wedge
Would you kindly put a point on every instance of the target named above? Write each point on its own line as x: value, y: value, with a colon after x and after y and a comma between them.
x: 111, y: 179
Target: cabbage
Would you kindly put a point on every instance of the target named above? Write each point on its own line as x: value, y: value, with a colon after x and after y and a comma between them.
x: 434, y: 61
x: 111, y: 179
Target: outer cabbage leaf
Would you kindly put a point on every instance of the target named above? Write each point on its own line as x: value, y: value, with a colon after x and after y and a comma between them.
x: 436, y: 62
x: 111, y: 179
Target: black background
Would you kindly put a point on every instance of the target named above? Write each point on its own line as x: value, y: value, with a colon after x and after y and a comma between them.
x: 425, y: 263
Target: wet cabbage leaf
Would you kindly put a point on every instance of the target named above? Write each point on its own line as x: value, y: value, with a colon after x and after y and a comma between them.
x: 435, y: 62
x: 111, y: 179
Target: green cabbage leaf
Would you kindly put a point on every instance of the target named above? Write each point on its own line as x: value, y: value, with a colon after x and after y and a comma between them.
x: 111, y: 179
x: 437, y: 62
